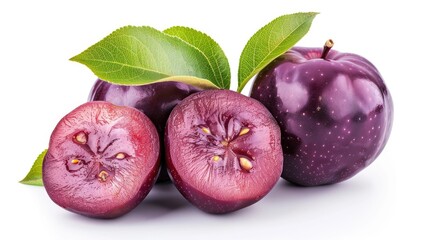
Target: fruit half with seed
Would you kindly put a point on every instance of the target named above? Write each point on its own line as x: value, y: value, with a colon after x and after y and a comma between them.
x: 155, y: 100
x: 102, y: 160
x: 223, y: 150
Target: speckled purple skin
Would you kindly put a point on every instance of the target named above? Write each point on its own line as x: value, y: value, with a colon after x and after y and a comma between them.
x: 204, y: 143
x: 335, y: 114
x: 156, y: 100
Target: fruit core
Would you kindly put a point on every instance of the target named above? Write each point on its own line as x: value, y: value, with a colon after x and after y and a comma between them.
x: 225, y: 155
x: 99, y: 167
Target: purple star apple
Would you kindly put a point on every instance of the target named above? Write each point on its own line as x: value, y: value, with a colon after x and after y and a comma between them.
x: 102, y: 160
x: 334, y: 110
x: 223, y: 150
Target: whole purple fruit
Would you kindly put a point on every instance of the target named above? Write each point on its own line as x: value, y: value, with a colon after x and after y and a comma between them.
x: 155, y: 100
x: 334, y: 110
x: 223, y: 150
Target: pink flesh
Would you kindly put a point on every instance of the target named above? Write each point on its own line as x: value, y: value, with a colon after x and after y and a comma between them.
x: 223, y: 185
x: 88, y: 177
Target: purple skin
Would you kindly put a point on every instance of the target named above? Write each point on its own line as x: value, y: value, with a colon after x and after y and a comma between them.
x: 335, y: 113
x: 156, y: 100
x: 102, y: 160
x: 223, y: 150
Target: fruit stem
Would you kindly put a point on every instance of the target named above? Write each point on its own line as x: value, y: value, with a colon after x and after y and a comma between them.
x: 328, y: 45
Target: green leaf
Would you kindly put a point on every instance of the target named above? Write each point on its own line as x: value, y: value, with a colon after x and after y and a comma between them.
x: 209, y: 48
x: 270, y: 42
x: 141, y: 55
x: 34, y: 177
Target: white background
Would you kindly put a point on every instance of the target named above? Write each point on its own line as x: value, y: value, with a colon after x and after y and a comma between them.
x: 39, y: 85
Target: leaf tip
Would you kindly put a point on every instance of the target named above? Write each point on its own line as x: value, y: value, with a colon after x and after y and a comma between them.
x: 34, y: 176
x: 75, y: 58
x: 32, y: 182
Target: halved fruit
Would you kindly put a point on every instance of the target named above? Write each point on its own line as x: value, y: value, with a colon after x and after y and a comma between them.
x: 223, y: 150
x: 102, y: 160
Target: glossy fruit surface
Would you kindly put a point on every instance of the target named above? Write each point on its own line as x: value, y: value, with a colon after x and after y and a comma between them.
x: 335, y: 113
x: 223, y: 150
x: 102, y: 160
x: 156, y: 100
